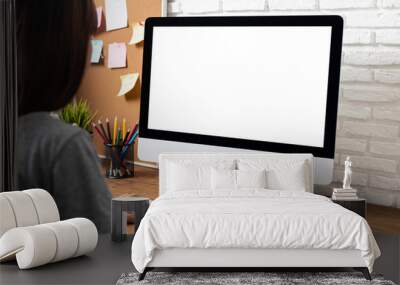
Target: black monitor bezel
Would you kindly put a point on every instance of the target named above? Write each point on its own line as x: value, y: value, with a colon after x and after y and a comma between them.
x: 327, y: 151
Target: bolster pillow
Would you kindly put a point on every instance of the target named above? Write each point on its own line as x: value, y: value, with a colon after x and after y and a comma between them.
x: 40, y: 244
x: 26, y: 208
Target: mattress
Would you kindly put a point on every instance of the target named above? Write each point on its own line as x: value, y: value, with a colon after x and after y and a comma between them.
x: 250, y: 219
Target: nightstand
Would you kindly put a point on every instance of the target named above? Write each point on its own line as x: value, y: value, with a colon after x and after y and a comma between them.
x: 120, y: 206
x: 358, y: 206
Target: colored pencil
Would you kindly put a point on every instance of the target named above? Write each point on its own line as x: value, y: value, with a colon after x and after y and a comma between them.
x: 123, y: 128
x: 126, y: 136
x: 108, y: 130
x: 132, y: 132
x: 126, y: 147
x: 118, y: 140
x: 103, y: 130
x: 118, y: 136
x: 115, y: 129
x: 101, y: 135
x: 133, y: 137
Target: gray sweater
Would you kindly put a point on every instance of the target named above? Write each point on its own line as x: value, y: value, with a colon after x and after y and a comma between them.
x: 61, y: 159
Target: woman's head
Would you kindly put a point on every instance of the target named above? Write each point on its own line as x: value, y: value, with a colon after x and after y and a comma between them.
x: 52, y: 45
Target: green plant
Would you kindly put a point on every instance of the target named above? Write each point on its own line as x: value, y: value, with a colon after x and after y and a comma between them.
x: 78, y: 113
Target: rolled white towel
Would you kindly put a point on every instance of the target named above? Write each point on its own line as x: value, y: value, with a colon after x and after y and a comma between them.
x: 26, y: 208
x: 23, y: 208
x: 40, y: 244
x: 87, y: 234
x: 7, y: 218
x: 45, y: 205
x: 67, y: 240
x: 33, y: 246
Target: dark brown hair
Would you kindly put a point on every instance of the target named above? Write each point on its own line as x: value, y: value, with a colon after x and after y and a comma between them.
x: 52, y: 45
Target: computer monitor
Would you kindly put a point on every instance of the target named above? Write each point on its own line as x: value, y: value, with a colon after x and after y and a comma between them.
x: 221, y: 84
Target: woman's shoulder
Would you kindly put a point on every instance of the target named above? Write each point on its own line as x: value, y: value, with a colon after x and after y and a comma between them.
x: 49, y: 130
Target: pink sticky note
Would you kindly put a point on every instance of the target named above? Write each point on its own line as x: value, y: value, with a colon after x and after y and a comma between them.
x: 99, y: 11
x: 116, y: 55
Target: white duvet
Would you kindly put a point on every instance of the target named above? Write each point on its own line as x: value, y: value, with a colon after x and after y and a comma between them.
x: 250, y: 219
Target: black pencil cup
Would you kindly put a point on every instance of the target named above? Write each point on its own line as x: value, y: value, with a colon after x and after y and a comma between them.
x: 120, y: 161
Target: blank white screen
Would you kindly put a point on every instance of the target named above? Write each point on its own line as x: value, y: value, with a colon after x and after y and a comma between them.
x: 258, y: 83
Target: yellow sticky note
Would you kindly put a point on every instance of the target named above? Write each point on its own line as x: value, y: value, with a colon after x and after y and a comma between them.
x: 137, y: 34
x: 128, y: 82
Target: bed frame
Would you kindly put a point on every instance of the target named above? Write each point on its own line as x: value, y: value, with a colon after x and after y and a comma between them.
x: 260, y: 259
x: 248, y: 259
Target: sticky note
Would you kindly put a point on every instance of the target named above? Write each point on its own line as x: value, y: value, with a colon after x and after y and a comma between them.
x: 116, y: 55
x: 116, y: 14
x: 137, y: 34
x: 97, y: 47
x: 99, y: 11
x: 128, y: 82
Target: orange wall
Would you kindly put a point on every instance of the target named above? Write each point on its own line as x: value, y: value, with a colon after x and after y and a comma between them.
x: 100, y: 84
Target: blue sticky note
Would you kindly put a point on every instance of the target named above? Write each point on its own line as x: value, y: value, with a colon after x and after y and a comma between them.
x: 97, y: 47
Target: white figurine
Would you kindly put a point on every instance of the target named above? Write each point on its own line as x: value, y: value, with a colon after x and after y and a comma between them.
x: 347, y: 173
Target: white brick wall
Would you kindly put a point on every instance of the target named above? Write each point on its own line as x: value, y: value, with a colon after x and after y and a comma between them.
x: 355, y: 111
x: 370, y: 93
x: 369, y: 110
x: 388, y: 36
x: 346, y: 4
x: 357, y: 36
x: 371, y: 55
x: 385, y: 148
x: 203, y: 6
x: 389, y: 3
x: 387, y: 76
x: 292, y: 4
x: 372, y: 18
x: 349, y: 74
x: 243, y: 5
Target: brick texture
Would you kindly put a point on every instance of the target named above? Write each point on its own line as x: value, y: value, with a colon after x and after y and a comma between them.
x: 243, y: 5
x: 198, y: 7
x: 358, y: 145
x: 370, y: 129
x: 386, y: 148
x: 369, y: 111
x: 351, y: 74
x: 174, y: 7
x: 346, y: 4
x: 389, y: 3
x: 388, y: 36
x: 371, y: 94
x: 383, y: 182
x: 387, y: 113
x: 387, y: 76
x: 357, y: 36
x: 371, y: 55
x: 372, y: 18
x: 292, y: 4
x: 354, y: 111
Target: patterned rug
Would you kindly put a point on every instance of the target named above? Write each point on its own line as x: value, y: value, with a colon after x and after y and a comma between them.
x: 243, y: 278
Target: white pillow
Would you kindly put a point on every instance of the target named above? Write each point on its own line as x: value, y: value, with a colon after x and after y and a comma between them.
x: 237, y: 179
x: 282, y: 174
x: 223, y: 179
x: 251, y: 178
x: 193, y: 174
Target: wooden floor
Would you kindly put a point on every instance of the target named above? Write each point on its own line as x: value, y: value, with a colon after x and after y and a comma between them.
x: 145, y: 184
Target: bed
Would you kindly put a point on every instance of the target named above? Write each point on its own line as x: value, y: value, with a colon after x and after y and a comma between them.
x: 245, y: 211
